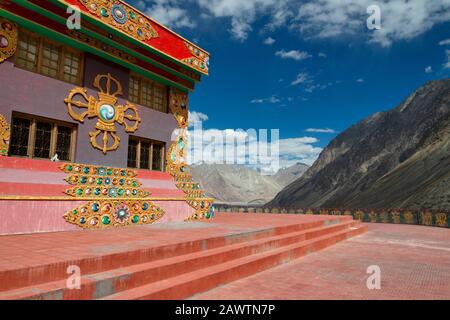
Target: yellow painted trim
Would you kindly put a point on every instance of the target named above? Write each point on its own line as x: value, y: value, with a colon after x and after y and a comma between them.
x: 58, y: 198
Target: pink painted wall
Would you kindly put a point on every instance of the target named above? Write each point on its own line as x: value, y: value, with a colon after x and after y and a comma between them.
x: 28, y: 177
x: 32, y: 93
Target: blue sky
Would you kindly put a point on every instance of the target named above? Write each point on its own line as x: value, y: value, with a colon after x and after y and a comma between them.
x: 300, y: 65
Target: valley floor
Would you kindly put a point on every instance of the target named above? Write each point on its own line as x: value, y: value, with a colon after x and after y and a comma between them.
x: 414, y: 262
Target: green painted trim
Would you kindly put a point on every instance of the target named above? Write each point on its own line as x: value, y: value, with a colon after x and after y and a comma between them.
x: 84, y: 47
x: 108, y: 41
x: 125, y: 37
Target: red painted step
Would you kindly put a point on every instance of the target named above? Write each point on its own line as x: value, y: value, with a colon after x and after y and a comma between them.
x: 98, y: 285
x: 189, y: 284
x: 91, y: 264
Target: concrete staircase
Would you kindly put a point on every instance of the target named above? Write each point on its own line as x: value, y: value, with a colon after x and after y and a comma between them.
x: 183, y: 270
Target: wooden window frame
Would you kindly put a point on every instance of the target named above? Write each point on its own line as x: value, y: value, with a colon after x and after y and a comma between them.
x: 62, y: 51
x: 141, y: 80
x: 138, y: 153
x: 53, y: 138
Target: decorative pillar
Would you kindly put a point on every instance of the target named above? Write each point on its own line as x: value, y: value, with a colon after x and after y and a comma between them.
x: 5, y: 131
x: 177, y: 160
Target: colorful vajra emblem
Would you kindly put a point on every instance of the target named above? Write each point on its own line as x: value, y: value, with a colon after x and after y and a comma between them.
x: 107, y: 111
x: 8, y: 39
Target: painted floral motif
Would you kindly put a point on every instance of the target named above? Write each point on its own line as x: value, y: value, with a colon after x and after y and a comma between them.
x: 121, y: 200
x: 122, y: 17
x: 199, y: 59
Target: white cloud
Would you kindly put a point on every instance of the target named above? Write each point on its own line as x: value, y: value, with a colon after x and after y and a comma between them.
x: 269, y: 41
x: 400, y: 19
x: 169, y: 13
x: 319, y: 130
x: 445, y: 42
x: 360, y: 80
x: 240, y: 29
x: 196, y: 117
x: 212, y: 146
x: 302, y: 77
x: 243, y: 13
x: 447, y: 64
x: 428, y: 69
x: 322, y: 55
x: 273, y: 99
x: 293, y: 54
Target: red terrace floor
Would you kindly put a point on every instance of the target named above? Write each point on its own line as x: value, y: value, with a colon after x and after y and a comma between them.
x: 414, y: 262
x: 31, y: 250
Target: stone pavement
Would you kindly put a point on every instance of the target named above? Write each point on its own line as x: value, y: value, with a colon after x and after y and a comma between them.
x: 414, y: 263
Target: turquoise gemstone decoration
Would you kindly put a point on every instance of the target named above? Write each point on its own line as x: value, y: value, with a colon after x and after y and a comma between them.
x: 107, y: 181
x: 69, y: 168
x: 181, y: 143
x: 135, y: 219
x: 123, y: 173
x: 83, y: 180
x: 101, y: 171
x: 122, y: 182
x: 97, y: 191
x: 86, y: 170
x: 134, y: 192
x: 132, y: 15
x: 119, y: 14
x: 107, y: 112
x: 173, y: 157
x: 112, y: 192
x: 82, y: 220
x: 104, y: 12
x: 105, y: 220
x: 145, y: 206
x: 95, y: 207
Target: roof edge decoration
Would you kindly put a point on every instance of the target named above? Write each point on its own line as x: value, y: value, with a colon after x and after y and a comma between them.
x: 128, y: 20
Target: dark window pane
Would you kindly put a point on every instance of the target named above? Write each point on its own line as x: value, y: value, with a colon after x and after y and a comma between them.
x: 63, y: 143
x: 145, y: 155
x: 43, y: 139
x: 132, y: 153
x: 19, y: 137
x: 157, y: 157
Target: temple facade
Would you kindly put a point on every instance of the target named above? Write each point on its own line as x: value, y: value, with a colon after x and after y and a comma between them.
x: 93, y: 117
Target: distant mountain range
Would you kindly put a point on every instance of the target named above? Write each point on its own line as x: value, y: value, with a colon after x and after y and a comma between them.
x: 242, y: 185
x: 398, y: 158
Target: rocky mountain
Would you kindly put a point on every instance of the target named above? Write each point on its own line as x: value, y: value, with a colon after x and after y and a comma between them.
x: 239, y: 184
x: 398, y: 158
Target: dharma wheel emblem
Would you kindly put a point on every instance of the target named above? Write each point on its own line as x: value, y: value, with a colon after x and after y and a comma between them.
x: 104, y: 108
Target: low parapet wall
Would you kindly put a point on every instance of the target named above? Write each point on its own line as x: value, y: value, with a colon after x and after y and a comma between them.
x: 435, y: 218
